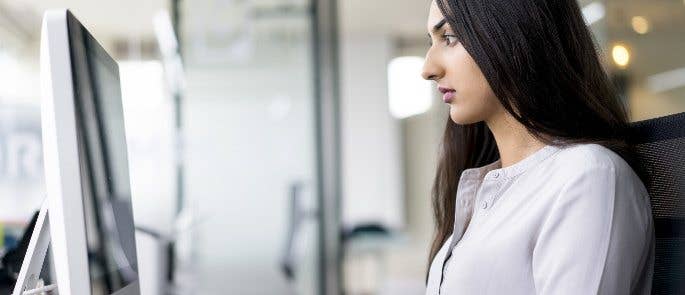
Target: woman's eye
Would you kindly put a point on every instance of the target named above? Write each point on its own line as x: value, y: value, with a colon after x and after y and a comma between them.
x: 449, y: 39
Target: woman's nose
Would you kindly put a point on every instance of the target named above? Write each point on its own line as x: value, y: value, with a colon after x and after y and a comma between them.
x: 429, y: 76
x: 431, y: 71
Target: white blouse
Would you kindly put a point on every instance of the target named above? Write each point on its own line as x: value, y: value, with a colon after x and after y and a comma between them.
x: 564, y: 220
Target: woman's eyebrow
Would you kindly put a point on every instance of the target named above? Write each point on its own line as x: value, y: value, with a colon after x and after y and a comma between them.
x: 439, y: 25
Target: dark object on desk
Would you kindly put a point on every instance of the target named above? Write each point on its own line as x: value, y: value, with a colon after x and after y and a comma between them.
x: 660, y: 146
x: 364, y: 229
x: 11, y: 262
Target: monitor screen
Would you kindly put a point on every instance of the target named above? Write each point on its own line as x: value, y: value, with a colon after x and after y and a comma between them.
x: 103, y: 164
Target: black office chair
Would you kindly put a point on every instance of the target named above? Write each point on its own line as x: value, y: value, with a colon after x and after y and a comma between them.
x: 660, y: 145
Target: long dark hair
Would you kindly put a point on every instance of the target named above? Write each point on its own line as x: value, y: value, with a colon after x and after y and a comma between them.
x: 540, y: 60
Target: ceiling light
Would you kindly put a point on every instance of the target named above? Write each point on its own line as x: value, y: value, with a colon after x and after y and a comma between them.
x: 667, y: 80
x: 640, y: 24
x: 593, y: 12
x: 621, y: 55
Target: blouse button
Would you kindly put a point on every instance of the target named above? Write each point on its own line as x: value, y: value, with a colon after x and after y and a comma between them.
x: 484, y: 205
x: 495, y: 174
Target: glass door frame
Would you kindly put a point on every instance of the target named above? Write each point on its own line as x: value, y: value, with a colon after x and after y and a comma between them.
x: 326, y: 74
x: 326, y: 71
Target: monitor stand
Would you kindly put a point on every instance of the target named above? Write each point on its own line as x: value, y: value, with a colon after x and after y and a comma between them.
x: 29, y: 282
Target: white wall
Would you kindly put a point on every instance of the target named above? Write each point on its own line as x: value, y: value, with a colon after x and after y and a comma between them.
x: 388, y: 168
x: 249, y: 135
x: 372, y: 167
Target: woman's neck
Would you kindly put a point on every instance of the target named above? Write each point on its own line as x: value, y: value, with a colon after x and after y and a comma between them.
x: 514, y: 142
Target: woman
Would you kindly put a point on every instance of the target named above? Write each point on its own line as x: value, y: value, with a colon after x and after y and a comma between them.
x: 536, y: 190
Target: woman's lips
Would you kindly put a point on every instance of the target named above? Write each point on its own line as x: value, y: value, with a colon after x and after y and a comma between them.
x: 447, y: 94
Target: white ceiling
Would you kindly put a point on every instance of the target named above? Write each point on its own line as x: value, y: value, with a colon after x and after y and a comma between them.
x: 119, y: 19
x: 401, y: 17
x: 105, y: 19
x: 123, y: 18
x: 397, y: 17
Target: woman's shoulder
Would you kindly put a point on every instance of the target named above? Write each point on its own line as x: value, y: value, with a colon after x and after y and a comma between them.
x: 589, y: 156
x: 576, y: 160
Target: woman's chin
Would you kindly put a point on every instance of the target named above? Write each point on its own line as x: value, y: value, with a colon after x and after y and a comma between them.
x: 460, y: 118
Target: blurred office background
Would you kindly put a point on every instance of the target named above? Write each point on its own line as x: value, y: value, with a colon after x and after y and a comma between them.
x: 279, y: 161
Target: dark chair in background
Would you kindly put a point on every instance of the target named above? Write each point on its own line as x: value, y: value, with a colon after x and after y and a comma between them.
x: 660, y: 145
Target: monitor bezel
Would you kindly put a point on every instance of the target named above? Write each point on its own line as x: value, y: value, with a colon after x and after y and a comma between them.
x: 61, y: 156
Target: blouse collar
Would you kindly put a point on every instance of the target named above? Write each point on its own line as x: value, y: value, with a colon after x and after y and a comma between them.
x: 494, y: 170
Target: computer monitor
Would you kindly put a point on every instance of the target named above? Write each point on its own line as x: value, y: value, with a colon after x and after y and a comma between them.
x: 86, y: 163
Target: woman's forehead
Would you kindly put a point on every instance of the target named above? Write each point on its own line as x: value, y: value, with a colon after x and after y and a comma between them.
x: 434, y: 13
x: 435, y: 17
